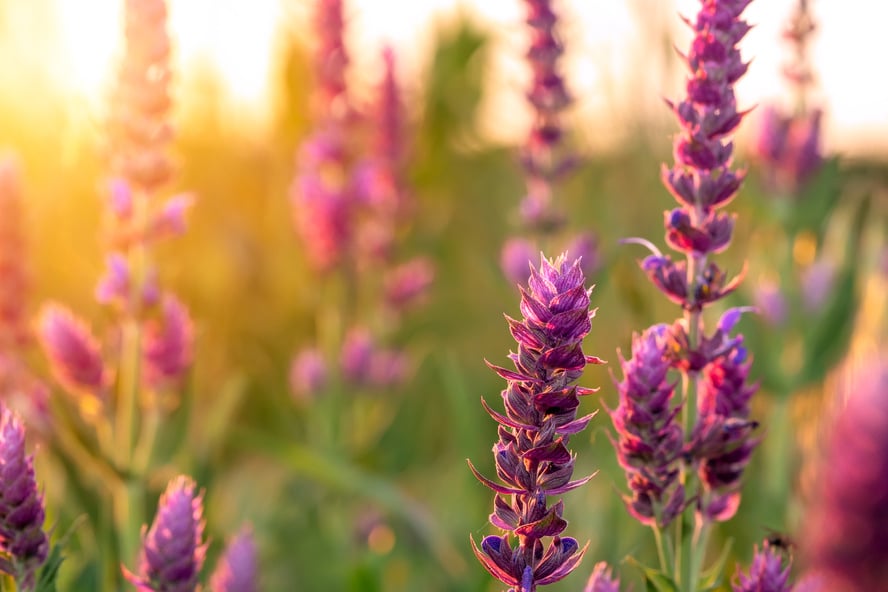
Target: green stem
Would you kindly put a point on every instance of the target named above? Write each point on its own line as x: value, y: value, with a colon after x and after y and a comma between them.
x: 699, y: 542
x: 661, y: 551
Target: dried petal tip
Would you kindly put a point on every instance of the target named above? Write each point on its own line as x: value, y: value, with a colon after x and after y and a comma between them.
x: 766, y: 574
x: 21, y: 506
x: 602, y: 580
x: 237, y: 568
x: 173, y: 551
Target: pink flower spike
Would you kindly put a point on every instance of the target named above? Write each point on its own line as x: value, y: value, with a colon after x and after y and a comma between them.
x: 170, y: 220
x: 114, y: 286
x: 237, y: 569
x: 74, y: 353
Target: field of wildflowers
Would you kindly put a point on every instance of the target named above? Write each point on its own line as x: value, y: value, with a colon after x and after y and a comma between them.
x: 245, y: 362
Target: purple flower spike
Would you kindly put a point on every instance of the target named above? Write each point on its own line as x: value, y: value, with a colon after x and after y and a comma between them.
x: 649, y: 438
x: 407, y: 284
x: 168, y: 344
x: 74, y: 354
x: 845, y: 534
x: 532, y: 457
x: 21, y: 506
x: 602, y: 580
x: 516, y: 258
x: 766, y: 574
x: 237, y: 570
x: 173, y: 550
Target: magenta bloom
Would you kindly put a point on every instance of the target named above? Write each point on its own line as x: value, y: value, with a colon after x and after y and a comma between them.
x: 21, y: 506
x: 237, y: 570
x: 408, y: 283
x: 650, y: 439
x: 766, y: 574
x: 516, y: 259
x: 845, y: 532
x: 74, y: 353
x: 173, y: 550
x: 532, y: 458
x: 602, y: 580
x: 168, y: 344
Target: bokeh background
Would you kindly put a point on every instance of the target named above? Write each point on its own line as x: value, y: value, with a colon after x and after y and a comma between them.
x: 395, y: 513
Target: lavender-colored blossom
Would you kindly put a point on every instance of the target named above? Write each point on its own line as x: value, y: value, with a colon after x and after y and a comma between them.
x: 817, y: 285
x: 173, y: 550
x: 330, y: 59
x: 408, y: 283
x: 356, y: 357
x: 766, y: 574
x: 388, y: 368
x: 532, y: 458
x: 585, y: 247
x: 21, y: 506
x: 168, y: 344
x: 602, y: 580
x: 516, y: 259
x: 171, y: 218
x: 649, y: 438
x: 74, y: 353
x: 140, y: 132
x: 114, y: 286
x: 845, y: 531
x: 237, y: 570
x: 771, y: 303
x: 308, y: 374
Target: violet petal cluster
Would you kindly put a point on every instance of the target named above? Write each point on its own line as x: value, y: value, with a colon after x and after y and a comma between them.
x: 74, y: 353
x: 531, y: 455
x: 650, y: 439
x: 766, y: 574
x: 845, y: 531
x: 602, y: 580
x: 21, y: 506
x: 237, y: 570
x: 173, y: 550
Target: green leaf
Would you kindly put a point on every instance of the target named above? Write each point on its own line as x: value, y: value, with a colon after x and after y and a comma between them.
x: 654, y: 579
x: 341, y: 475
x: 47, y: 575
x: 711, y: 578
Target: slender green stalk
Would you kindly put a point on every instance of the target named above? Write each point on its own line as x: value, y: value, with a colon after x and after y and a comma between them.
x: 661, y: 551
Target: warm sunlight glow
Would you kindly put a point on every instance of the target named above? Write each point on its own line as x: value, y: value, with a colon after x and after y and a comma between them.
x: 609, y: 57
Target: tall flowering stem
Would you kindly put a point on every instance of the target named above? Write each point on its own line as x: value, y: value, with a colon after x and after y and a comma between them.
x: 545, y: 156
x: 120, y: 386
x: 714, y: 442
x: 533, y: 461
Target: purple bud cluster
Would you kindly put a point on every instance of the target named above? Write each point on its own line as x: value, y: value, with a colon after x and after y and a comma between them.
x: 651, y: 444
x: 22, y: 539
x: 845, y: 531
x: 531, y: 455
x: 766, y: 574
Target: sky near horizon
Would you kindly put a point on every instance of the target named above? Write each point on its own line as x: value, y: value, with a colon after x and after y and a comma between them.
x: 608, y: 63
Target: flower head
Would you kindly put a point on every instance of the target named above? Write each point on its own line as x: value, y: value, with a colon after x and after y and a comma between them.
x: 173, y: 550
x: 168, y: 344
x: 21, y: 506
x: 237, y: 570
x: 602, y: 580
x: 308, y: 374
x: 74, y: 353
x: 541, y: 401
x: 766, y: 574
